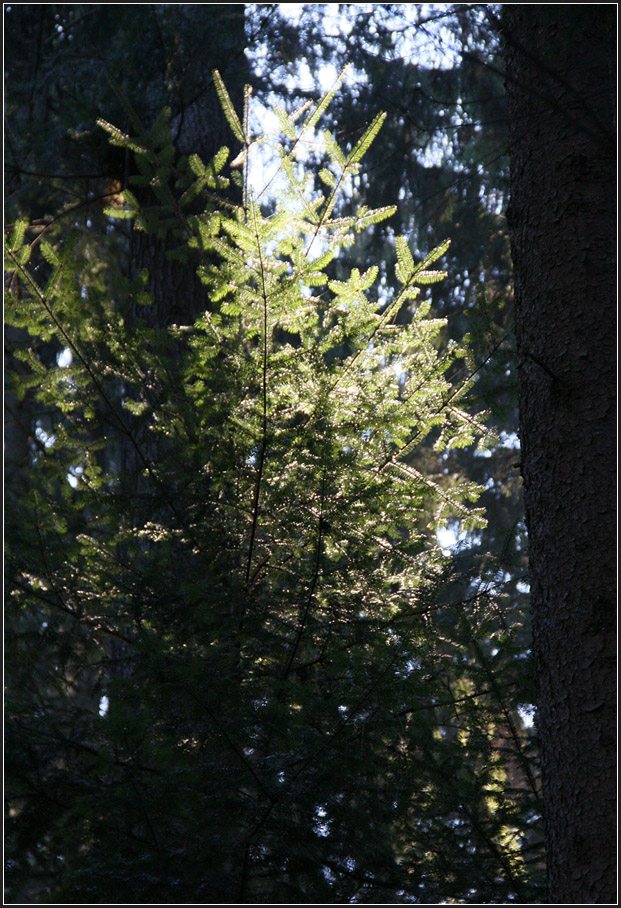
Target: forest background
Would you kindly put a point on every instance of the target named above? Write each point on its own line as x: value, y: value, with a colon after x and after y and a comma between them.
x: 377, y: 753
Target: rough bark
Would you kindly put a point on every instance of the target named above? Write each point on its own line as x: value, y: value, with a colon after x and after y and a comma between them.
x: 561, y: 102
x: 199, y: 127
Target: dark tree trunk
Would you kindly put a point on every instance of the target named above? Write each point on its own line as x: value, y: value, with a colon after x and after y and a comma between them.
x: 561, y: 102
x: 198, y: 126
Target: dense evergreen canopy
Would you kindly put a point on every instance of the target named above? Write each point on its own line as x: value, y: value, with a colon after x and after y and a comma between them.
x: 240, y: 665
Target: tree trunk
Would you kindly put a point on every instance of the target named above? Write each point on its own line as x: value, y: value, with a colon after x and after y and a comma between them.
x: 561, y: 102
x: 198, y: 126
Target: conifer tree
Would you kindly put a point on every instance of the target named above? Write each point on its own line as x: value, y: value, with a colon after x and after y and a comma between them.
x: 438, y: 72
x: 282, y: 719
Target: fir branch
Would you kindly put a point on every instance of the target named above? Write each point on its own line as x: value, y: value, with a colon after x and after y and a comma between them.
x: 76, y: 351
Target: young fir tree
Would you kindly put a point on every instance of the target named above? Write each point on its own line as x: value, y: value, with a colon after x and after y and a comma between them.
x: 231, y: 675
x: 438, y: 72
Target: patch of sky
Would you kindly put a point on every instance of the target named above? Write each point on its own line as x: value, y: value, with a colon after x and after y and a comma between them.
x: 452, y: 539
x: 73, y: 477
x: 64, y: 358
x: 46, y: 438
x: 328, y: 874
x: 509, y: 440
x: 506, y: 439
x: 321, y: 826
x: 411, y: 666
x: 527, y: 714
x: 104, y: 705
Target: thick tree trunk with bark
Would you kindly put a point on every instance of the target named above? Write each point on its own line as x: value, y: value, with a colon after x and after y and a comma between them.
x: 198, y: 126
x: 561, y: 101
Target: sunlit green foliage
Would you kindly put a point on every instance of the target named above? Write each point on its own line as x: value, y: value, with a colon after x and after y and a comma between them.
x: 237, y: 675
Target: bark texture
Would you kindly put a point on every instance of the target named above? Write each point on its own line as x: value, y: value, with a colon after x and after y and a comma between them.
x: 198, y: 126
x: 562, y: 218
